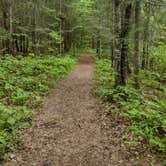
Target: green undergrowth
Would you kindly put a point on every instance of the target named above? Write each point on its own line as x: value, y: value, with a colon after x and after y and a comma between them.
x: 23, y: 82
x: 144, y: 107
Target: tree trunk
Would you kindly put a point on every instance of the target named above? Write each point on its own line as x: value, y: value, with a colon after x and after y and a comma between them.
x: 11, y: 27
x: 112, y: 47
x: 117, y: 28
x: 137, y: 41
x: 112, y: 53
x: 125, y: 48
x: 66, y: 35
x: 146, y: 37
x: 6, y: 27
x: 98, y: 49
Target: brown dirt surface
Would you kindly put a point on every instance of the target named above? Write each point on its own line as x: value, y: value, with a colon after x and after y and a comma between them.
x: 71, y: 129
x: 86, y: 59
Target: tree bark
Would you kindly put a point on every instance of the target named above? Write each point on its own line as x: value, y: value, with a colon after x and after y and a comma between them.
x: 137, y: 41
x: 98, y: 49
x: 6, y: 27
x: 117, y: 28
x: 112, y: 47
x: 125, y: 48
x: 146, y: 37
x: 11, y: 27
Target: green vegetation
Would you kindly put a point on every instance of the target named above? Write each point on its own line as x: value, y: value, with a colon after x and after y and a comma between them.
x: 144, y: 107
x: 130, y: 34
x: 23, y: 82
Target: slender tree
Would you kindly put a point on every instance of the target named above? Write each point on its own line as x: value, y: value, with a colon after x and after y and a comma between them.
x: 137, y: 40
x: 117, y: 24
x: 126, y: 26
x: 146, y: 36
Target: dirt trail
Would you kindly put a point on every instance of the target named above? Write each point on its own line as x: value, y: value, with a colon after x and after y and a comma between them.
x: 72, y: 130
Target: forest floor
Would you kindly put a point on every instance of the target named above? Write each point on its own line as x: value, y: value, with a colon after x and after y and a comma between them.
x: 71, y: 129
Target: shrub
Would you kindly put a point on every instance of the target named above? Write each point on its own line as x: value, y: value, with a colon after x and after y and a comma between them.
x: 23, y: 82
x: 146, y: 112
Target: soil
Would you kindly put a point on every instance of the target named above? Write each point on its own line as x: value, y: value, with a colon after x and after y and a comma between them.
x: 72, y: 129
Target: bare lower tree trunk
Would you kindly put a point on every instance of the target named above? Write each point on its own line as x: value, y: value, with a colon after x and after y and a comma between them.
x: 112, y: 53
x: 125, y: 48
x: 137, y: 41
x: 117, y: 27
x: 98, y: 49
x: 112, y: 30
x: 146, y: 37
x: 6, y: 27
x: 11, y: 27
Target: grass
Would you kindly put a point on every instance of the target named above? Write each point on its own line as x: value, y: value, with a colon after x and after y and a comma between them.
x: 145, y: 107
x: 23, y: 82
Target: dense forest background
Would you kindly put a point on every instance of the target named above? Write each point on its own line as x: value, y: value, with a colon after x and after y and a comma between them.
x: 55, y: 27
x: 128, y: 38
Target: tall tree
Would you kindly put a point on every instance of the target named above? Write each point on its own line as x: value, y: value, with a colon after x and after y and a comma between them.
x: 137, y: 40
x: 146, y: 35
x: 117, y: 24
x: 126, y: 26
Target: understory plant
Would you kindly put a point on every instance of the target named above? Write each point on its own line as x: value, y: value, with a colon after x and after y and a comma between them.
x: 23, y: 82
x: 144, y: 107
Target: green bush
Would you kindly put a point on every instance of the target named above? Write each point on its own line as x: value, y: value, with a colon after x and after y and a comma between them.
x: 23, y: 82
x: 146, y: 112
x: 11, y: 118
